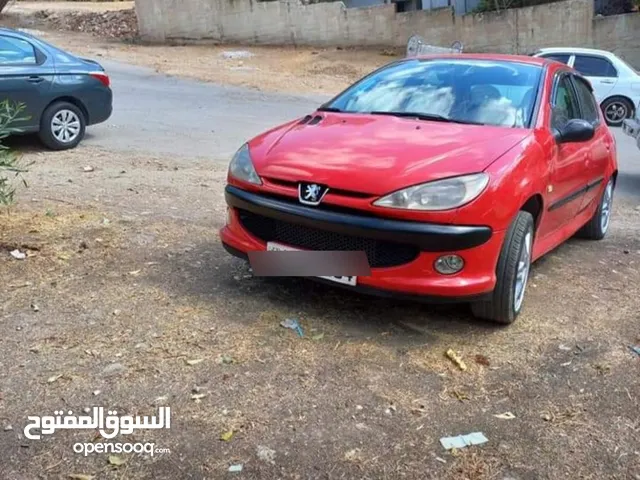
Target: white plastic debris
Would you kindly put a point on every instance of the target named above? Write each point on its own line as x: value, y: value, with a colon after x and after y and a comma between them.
x: 235, y: 468
x: 18, y: 255
x: 461, y: 441
x: 505, y: 416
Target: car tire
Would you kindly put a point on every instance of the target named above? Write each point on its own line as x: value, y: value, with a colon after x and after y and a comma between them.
x: 61, y: 120
x: 512, y: 274
x: 596, y: 228
x: 616, y: 110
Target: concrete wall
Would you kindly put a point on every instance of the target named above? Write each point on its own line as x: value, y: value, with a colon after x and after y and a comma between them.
x: 619, y: 34
x: 566, y: 23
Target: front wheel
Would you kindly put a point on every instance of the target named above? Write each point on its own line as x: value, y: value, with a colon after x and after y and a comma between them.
x: 62, y: 126
x: 512, y: 274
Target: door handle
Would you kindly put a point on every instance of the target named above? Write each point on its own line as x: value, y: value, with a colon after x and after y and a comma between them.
x: 35, y: 79
x: 608, y: 82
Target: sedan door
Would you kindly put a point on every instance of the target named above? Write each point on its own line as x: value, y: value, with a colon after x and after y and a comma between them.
x: 26, y: 77
x: 599, y: 71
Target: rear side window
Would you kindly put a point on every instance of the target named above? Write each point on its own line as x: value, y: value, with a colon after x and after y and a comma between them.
x: 14, y: 51
x: 565, y: 104
x: 558, y: 57
x: 587, y: 102
x: 594, y: 66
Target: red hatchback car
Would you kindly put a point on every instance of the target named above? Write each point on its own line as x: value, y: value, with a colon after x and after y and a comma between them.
x: 453, y: 173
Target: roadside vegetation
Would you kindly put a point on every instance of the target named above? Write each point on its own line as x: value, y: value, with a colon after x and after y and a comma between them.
x: 10, y: 165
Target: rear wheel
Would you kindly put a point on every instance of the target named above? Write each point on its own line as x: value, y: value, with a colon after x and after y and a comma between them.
x: 616, y: 109
x: 512, y: 273
x: 62, y: 126
x: 597, y: 227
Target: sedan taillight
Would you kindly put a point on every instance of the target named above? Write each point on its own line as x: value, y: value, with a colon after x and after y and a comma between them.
x: 102, y: 77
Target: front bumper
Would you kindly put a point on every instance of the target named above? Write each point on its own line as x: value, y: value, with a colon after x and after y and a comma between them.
x: 479, y: 246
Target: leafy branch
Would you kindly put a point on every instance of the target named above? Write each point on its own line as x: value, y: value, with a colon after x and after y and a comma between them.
x: 10, y: 165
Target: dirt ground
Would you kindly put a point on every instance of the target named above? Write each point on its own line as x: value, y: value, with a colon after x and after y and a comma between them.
x: 125, y: 285
x: 124, y: 266
x: 273, y: 69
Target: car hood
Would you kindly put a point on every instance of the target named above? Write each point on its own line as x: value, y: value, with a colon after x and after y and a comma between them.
x: 377, y: 154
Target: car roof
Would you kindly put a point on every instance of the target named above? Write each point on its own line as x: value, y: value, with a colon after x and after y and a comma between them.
x: 576, y: 50
x: 10, y: 30
x: 19, y: 33
x: 489, y: 57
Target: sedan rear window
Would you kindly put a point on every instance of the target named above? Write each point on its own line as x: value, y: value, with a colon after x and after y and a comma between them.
x: 487, y: 92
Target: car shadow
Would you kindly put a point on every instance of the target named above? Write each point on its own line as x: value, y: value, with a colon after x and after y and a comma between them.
x: 30, y: 143
x: 208, y: 274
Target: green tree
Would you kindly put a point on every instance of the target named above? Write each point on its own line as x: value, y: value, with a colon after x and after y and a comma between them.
x: 10, y: 164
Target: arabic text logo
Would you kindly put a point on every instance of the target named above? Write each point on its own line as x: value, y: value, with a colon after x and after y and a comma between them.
x: 108, y: 426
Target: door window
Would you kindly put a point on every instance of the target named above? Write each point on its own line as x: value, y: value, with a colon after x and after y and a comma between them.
x: 591, y: 66
x: 565, y: 105
x: 14, y: 51
x: 587, y: 102
x: 558, y: 57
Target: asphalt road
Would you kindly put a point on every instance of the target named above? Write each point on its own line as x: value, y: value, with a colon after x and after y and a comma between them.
x: 166, y: 115
x: 172, y: 116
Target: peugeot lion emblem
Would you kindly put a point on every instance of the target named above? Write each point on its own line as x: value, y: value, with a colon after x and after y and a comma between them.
x: 311, y: 193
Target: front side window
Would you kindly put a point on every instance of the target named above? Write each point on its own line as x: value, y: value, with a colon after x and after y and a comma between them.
x: 486, y: 92
x: 565, y: 104
x: 594, y: 66
x: 14, y: 51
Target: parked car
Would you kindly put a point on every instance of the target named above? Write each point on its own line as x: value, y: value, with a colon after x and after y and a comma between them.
x: 631, y: 127
x: 62, y: 94
x: 453, y: 173
x: 616, y: 84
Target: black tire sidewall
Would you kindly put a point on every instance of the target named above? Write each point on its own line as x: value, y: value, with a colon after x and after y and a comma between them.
x: 597, y: 219
x: 516, y: 250
x: 46, y: 133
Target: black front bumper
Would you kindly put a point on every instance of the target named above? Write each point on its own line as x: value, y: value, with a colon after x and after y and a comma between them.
x: 426, y: 236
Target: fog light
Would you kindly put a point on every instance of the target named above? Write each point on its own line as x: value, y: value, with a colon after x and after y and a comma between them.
x: 228, y: 216
x: 449, y: 264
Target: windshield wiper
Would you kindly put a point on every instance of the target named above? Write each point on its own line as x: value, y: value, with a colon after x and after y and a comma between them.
x: 426, y: 116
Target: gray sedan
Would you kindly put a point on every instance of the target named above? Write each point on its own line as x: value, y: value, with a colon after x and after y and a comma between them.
x: 60, y: 92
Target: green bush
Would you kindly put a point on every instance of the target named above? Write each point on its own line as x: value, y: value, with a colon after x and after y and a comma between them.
x: 10, y: 165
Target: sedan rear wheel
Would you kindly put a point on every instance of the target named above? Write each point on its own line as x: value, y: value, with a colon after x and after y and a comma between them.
x: 512, y: 274
x: 616, y: 110
x: 62, y: 126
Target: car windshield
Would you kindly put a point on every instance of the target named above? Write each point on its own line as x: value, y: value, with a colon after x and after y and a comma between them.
x: 498, y: 93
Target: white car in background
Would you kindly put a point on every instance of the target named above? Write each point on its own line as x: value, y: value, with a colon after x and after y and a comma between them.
x: 616, y: 84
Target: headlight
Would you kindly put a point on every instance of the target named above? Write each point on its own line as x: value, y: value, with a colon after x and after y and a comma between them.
x: 438, y: 195
x: 241, y: 166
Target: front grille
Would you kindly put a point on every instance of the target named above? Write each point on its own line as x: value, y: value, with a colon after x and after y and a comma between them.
x: 380, y: 254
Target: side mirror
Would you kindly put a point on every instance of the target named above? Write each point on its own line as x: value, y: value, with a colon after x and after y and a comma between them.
x: 576, y: 130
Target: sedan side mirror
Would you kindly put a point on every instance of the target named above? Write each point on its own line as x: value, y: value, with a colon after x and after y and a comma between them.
x: 576, y: 130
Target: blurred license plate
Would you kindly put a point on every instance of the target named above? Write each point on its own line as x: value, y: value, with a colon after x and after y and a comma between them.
x: 278, y: 247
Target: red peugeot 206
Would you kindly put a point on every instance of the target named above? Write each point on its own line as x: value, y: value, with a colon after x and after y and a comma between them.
x: 453, y: 173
